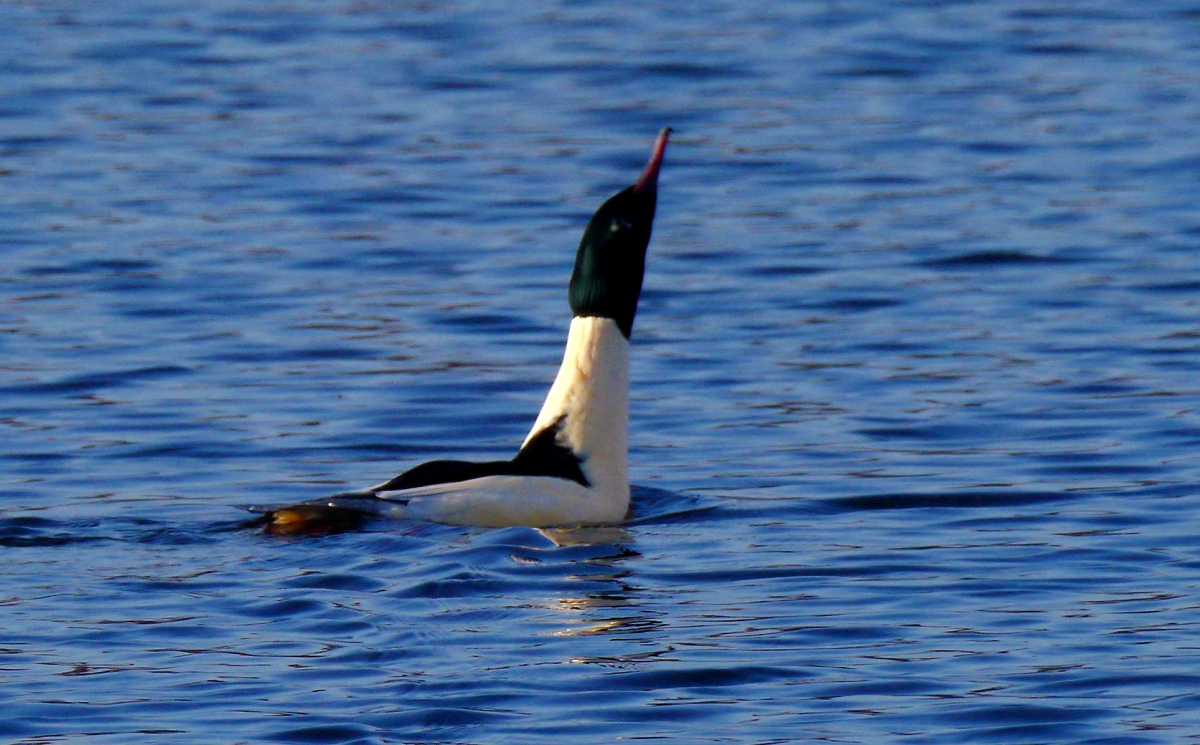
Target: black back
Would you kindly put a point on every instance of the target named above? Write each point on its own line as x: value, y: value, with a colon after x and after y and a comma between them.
x: 541, y: 456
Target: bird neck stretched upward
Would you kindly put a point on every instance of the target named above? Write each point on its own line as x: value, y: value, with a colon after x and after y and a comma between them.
x: 589, y: 403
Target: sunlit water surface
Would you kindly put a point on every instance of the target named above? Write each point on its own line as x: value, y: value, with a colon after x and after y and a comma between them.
x: 916, y: 372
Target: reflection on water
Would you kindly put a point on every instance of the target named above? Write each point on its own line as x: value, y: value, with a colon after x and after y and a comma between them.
x: 589, y: 536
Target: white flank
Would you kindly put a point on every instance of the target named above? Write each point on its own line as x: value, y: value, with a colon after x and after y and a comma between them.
x: 498, y: 501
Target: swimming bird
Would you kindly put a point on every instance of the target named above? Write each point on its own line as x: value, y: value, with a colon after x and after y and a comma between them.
x: 572, y: 468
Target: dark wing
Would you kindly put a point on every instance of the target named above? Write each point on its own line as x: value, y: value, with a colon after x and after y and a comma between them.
x: 444, y: 472
x: 543, y: 455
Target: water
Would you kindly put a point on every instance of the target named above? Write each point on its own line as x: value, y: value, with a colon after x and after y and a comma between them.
x: 914, y: 424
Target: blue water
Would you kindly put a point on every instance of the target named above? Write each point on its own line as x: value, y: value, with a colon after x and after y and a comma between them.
x: 916, y: 376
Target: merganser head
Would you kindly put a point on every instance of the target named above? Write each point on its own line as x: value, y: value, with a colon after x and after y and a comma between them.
x: 607, y: 280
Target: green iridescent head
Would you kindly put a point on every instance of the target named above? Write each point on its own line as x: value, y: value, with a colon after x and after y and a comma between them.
x: 611, y: 261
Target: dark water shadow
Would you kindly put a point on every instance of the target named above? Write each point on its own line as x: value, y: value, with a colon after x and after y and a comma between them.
x: 956, y: 500
x: 35, y: 531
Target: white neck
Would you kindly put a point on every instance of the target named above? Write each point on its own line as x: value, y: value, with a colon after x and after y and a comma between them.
x: 592, y: 393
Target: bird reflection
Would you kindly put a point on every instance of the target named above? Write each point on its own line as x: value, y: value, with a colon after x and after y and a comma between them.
x: 611, y: 608
x: 588, y: 536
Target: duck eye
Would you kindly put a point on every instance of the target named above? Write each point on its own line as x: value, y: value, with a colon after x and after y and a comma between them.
x: 618, y: 223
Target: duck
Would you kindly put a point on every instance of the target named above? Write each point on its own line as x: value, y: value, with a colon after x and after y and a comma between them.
x: 572, y: 469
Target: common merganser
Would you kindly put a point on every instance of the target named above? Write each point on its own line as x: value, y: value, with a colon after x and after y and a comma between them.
x: 572, y: 469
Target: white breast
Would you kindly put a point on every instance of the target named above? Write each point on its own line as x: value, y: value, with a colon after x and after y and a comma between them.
x: 592, y: 392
